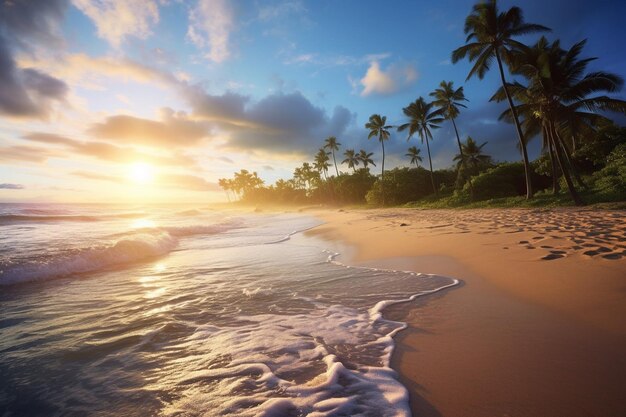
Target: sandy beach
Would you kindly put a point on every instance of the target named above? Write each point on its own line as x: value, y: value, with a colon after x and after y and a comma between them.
x: 537, y: 327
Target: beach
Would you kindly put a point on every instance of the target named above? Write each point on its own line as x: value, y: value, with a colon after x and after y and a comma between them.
x: 537, y: 326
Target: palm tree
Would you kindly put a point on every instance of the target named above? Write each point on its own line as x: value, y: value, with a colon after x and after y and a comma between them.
x: 449, y: 100
x: 472, y: 156
x: 321, y: 162
x: 414, y: 154
x: 492, y: 34
x: 422, y: 118
x: 377, y: 126
x: 332, y: 144
x: 366, y: 158
x: 557, y: 98
x: 352, y: 159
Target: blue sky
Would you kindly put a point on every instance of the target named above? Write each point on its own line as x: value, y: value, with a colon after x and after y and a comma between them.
x: 198, y: 89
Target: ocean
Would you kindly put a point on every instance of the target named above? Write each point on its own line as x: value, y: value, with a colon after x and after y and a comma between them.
x: 170, y: 311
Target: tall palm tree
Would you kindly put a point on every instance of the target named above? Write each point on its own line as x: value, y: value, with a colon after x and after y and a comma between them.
x: 415, y: 156
x: 449, y: 100
x: 422, y: 118
x: 352, y: 159
x: 366, y: 158
x: 321, y: 162
x: 331, y: 144
x: 377, y: 126
x: 492, y: 33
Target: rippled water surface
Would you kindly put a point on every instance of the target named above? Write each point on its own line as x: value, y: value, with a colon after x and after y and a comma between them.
x: 135, y: 311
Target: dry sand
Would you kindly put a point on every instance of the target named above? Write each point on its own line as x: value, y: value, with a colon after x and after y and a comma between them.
x: 538, y: 327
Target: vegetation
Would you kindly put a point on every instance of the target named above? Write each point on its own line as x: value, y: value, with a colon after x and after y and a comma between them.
x: 551, y: 96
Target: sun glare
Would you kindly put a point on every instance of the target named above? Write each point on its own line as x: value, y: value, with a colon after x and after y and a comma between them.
x: 141, y: 173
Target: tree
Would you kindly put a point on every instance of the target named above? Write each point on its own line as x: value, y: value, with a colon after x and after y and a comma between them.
x: 331, y: 144
x: 492, y: 33
x: 557, y: 101
x: 378, y: 127
x: 352, y: 159
x: 422, y: 118
x: 449, y: 100
x: 472, y: 156
x: 321, y: 162
x: 366, y: 159
x: 414, y: 154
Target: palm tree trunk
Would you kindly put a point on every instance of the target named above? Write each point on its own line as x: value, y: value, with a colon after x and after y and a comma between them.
x: 570, y: 162
x: 568, y: 179
x: 335, y: 162
x: 520, y: 135
x: 430, y: 162
x: 555, y: 176
x: 382, y: 172
x: 469, y: 176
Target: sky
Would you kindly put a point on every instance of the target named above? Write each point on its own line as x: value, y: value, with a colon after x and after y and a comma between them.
x: 155, y: 100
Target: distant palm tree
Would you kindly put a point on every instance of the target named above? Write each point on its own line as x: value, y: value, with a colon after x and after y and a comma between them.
x: 331, y: 144
x: 321, y: 162
x: 366, y: 158
x: 472, y: 156
x: 492, y: 34
x: 414, y: 154
x: 422, y: 118
x: 377, y: 126
x: 352, y: 159
x: 449, y: 100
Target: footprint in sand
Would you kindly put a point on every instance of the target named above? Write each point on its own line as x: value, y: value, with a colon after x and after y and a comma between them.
x: 613, y: 256
x: 552, y: 256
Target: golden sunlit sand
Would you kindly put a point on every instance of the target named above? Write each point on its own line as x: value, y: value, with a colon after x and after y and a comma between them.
x: 526, y: 334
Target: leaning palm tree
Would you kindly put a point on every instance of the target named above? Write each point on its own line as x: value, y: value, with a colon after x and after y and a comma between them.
x: 422, y: 118
x: 377, y: 126
x: 415, y: 156
x: 352, y: 159
x: 331, y: 144
x: 449, y: 100
x: 366, y: 159
x: 492, y: 33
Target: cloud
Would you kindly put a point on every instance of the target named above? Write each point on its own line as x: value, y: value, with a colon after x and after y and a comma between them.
x: 178, y: 181
x: 281, y: 10
x: 104, y: 151
x: 280, y: 123
x: 28, y: 92
x: 6, y: 186
x: 22, y: 153
x: 210, y: 25
x: 118, y: 19
x: 174, y: 129
x: 380, y: 82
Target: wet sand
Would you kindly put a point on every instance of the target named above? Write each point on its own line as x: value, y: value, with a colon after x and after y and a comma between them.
x: 538, y: 327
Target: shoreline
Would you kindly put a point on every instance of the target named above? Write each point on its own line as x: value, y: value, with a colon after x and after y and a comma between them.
x: 521, y: 335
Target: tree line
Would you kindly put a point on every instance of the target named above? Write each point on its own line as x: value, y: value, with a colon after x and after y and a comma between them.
x: 553, y: 97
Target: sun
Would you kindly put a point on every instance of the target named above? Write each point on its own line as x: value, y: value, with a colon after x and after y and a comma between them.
x: 141, y: 173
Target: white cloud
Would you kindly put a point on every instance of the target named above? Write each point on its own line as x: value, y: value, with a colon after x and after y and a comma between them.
x: 210, y: 25
x: 384, y: 82
x: 117, y: 19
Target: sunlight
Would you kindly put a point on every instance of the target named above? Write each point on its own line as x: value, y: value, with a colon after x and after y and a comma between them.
x: 143, y: 224
x: 141, y: 173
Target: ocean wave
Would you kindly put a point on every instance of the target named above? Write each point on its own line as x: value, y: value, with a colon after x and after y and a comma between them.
x: 125, y: 251
x: 27, y: 218
x: 127, y: 248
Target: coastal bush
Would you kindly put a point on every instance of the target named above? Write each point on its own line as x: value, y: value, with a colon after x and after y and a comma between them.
x: 610, y: 181
x: 352, y: 188
x: 401, y: 186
